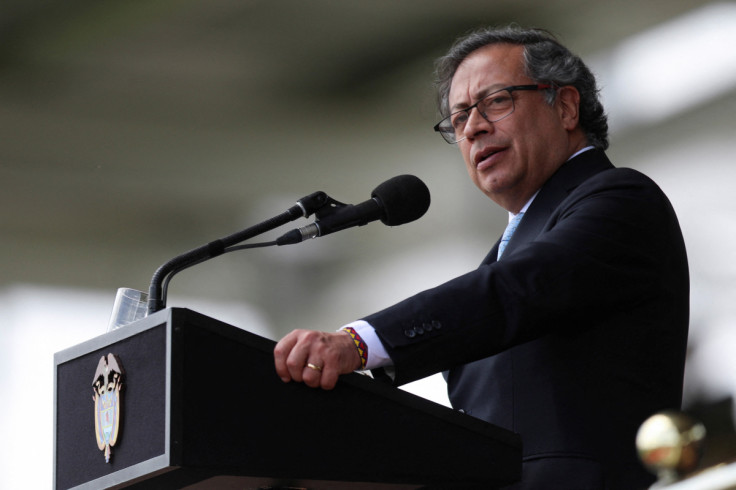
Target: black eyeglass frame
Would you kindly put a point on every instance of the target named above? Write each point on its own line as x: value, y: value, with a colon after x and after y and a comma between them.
x: 510, y: 89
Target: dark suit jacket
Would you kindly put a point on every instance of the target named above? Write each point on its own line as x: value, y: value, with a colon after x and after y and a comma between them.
x: 574, y: 337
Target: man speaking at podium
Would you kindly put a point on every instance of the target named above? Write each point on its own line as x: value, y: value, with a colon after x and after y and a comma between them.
x: 573, y: 329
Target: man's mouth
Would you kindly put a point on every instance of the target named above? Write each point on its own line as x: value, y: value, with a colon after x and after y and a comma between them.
x: 486, y: 156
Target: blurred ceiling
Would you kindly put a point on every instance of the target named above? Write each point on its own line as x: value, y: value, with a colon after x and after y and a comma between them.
x: 133, y: 131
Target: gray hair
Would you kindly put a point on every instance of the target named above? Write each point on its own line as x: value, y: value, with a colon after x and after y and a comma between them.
x: 545, y: 61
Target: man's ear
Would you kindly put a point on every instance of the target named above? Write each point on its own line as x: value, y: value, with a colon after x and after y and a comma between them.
x: 568, y: 104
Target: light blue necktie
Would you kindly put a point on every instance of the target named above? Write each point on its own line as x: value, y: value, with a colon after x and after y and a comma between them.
x: 508, y: 232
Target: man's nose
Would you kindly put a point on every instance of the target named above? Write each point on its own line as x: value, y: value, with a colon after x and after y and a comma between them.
x: 477, y: 123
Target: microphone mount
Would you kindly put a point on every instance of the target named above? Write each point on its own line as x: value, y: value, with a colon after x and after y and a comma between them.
x: 399, y: 200
x: 303, y: 208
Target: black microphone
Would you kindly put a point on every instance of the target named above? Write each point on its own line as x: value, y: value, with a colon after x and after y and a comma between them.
x: 397, y: 201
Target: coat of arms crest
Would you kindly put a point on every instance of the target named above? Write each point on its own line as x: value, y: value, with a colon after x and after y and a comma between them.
x: 107, y: 385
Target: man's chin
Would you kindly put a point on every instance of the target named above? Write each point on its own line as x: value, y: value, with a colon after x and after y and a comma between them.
x: 498, y: 191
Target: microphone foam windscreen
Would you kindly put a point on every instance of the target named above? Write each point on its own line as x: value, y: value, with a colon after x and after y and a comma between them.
x: 404, y: 198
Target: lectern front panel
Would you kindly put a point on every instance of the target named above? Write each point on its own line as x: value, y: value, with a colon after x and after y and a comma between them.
x: 142, y: 412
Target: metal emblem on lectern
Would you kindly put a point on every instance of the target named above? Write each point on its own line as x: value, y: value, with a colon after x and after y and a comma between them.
x: 107, y: 385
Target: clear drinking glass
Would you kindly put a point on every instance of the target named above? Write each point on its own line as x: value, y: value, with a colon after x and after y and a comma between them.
x: 130, y: 305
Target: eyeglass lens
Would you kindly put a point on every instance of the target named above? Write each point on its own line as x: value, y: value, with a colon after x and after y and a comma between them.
x: 493, y: 107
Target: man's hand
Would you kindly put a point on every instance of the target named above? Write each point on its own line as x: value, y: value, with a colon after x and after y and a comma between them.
x: 315, y: 358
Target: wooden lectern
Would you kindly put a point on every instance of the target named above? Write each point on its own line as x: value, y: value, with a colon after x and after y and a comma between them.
x: 201, y: 407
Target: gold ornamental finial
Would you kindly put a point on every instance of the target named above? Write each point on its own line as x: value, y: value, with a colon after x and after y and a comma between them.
x: 670, y: 445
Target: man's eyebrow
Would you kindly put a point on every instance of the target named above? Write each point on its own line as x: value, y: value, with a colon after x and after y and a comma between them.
x: 458, y: 107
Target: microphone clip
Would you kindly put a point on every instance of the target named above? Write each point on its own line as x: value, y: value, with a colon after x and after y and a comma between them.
x: 328, y: 208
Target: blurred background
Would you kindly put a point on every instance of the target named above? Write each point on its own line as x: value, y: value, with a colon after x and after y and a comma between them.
x: 134, y: 131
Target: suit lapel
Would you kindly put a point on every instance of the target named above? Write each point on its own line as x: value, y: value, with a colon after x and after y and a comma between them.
x: 570, y: 175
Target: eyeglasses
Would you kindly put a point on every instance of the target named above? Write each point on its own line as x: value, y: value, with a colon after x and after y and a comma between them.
x: 493, y: 107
